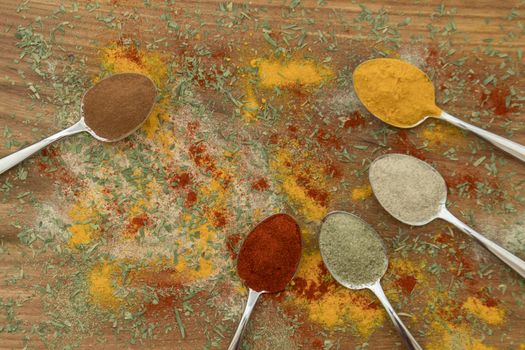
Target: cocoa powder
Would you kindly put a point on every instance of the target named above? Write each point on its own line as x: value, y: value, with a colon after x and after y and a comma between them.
x: 118, y: 105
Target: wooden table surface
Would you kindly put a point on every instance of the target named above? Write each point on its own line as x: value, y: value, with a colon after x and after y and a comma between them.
x: 295, y: 144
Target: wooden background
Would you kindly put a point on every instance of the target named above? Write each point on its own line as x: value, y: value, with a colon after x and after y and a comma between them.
x: 85, y: 38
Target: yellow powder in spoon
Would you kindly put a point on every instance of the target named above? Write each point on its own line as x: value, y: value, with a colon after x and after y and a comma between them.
x: 395, y: 91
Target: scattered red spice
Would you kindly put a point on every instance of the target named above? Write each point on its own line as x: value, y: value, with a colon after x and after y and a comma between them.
x: 191, y: 199
x: 317, y: 289
x: 406, y: 283
x: 484, y: 295
x: 130, y: 52
x: 402, y: 144
x: 468, y: 179
x: 204, y: 77
x: 333, y: 170
x: 317, y: 343
x: 164, y: 306
x: 180, y: 180
x: 192, y: 128
x: 496, y: 100
x: 260, y: 185
x: 52, y: 167
x: 135, y: 224
x: 432, y: 58
x: 274, y: 139
x: 270, y: 254
x: 232, y: 242
x: 354, y: 120
x: 219, y: 218
x: 200, y: 157
x: 443, y: 238
x: 464, y: 264
x: 328, y: 139
x: 318, y: 195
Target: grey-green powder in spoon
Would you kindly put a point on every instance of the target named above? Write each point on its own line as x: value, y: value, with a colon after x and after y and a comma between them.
x: 352, y: 250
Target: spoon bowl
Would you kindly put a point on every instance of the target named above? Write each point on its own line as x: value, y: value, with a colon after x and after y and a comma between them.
x: 274, y: 229
x: 405, y: 79
x: 334, y: 249
x: 398, y: 192
x: 135, y: 84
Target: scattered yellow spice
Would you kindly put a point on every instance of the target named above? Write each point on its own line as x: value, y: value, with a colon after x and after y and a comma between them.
x: 85, y: 220
x: 492, y: 315
x: 441, y: 133
x: 119, y: 58
x: 454, y: 337
x: 152, y: 124
x: 395, y: 91
x: 102, y: 280
x: 250, y: 106
x: 285, y: 167
x: 361, y: 193
x: 330, y: 305
x: 302, y: 72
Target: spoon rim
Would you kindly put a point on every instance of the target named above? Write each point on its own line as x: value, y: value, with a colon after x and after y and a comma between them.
x: 442, y: 205
x: 346, y: 284
x: 103, y: 139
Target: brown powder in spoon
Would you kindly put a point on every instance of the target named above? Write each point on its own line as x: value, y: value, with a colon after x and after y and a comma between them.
x: 118, y: 105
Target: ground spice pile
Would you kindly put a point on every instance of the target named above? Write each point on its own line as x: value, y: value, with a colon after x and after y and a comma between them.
x: 408, y: 188
x: 352, y: 250
x: 395, y: 91
x: 270, y: 254
x: 118, y: 105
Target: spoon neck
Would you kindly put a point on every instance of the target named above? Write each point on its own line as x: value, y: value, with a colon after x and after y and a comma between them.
x: 76, y: 128
x: 253, y: 296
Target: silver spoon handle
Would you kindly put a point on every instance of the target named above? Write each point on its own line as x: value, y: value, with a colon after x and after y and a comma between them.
x: 13, y: 159
x: 408, y: 339
x: 511, y: 147
x: 237, y: 338
x: 504, y: 255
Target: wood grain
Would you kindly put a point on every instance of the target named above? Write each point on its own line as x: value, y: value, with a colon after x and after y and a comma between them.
x: 22, y: 114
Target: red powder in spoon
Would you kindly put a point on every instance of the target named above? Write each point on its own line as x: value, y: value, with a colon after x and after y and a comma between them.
x: 270, y: 254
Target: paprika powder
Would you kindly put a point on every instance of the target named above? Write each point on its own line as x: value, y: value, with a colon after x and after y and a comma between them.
x: 270, y: 254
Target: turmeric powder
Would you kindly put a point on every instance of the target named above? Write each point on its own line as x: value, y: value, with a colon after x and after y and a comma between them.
x: 395, y: 91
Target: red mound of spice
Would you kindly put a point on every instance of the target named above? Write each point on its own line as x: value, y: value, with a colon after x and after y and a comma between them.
x: 270, y: 254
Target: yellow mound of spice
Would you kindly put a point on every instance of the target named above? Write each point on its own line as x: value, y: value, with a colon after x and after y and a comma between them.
x: 85, y: 222
x: 361, y: 193
x: 492, y: 315
x: 300, y: 72
x: 395, y: 91
x: 102, y: 281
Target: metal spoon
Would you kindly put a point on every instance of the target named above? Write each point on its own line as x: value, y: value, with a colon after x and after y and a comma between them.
x: 253, y: 295
x: 374, y: 284
x: 438, y: 206
x: 13, y: 159
x: 511, y: 147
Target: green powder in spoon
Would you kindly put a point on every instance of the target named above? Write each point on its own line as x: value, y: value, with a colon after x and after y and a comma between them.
x: 352, y: 251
